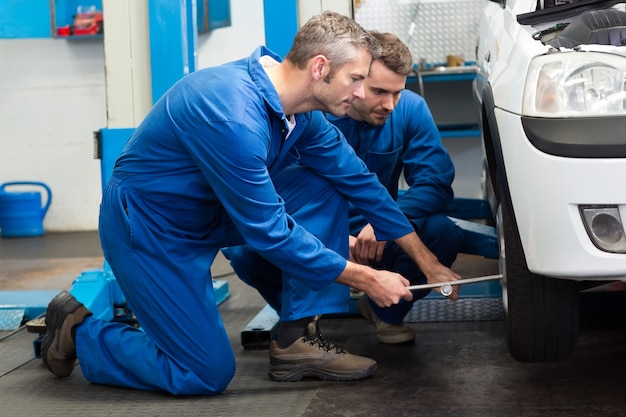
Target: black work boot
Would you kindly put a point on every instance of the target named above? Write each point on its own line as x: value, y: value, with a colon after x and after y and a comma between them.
x: 58, y: 346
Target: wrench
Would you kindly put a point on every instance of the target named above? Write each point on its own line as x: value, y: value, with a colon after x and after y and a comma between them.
x: 446, y: 287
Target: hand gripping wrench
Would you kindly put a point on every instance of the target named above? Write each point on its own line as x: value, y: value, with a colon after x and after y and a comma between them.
x: 446, y: 287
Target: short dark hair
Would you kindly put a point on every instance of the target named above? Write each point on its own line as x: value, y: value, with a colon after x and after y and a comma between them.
x: 395, y: 55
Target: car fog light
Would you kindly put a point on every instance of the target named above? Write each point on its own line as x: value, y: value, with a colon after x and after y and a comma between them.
x: 605, y: 228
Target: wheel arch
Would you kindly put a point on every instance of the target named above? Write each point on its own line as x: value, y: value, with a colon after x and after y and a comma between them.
x: 492, y: 146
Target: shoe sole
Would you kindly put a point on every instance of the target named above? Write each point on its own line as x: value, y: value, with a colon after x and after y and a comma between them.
x: 297, y: 374
x: 63, y: 300
x: 396, y: 340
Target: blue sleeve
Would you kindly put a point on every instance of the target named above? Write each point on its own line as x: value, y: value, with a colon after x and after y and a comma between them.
x: 199, y: 161
x: 330, y: 155
x: 245, y: 189
x: 428, y: 169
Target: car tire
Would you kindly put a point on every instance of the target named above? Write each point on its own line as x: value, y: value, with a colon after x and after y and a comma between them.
x: 542, y: 313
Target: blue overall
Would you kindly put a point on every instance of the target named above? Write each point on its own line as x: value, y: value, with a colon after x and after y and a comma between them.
x: 198, y: 175
x: 408, y: 144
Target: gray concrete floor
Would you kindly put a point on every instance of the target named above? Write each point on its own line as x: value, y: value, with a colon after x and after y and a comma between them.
x: 459, y: 368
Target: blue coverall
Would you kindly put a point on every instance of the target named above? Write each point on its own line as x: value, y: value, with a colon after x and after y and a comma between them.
x: 409, y: 143
x: 197, y: 175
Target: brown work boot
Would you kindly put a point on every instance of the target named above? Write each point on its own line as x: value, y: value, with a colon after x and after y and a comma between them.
x: 313, y: 356
x: 58, y: 346
x: 386, y: 333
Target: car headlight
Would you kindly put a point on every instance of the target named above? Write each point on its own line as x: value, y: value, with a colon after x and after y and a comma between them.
x: 604, y: 227
x: 575, y: 84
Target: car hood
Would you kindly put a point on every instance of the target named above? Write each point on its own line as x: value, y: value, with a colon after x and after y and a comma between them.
x: 564, y: 11
x: 586, y: 22
x: 597, y: 27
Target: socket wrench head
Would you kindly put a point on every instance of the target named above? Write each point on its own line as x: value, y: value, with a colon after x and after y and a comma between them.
x: 446, y: 290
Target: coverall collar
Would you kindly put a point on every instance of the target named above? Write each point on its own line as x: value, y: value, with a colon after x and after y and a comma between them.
x: 262, y: 81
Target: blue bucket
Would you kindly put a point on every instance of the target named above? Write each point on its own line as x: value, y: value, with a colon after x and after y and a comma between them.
x: 21, y: 213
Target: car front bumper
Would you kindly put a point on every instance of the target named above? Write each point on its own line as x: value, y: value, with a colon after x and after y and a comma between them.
x: 546, y: 191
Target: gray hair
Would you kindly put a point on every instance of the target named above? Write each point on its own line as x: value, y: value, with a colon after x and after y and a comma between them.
x: 333, y: 35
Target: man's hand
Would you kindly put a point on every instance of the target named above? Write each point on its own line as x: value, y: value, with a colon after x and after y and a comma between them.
x: 428, y: 263
x: 441, y: 273
x: 365, y: 248
x: 388, y: 288
x: 385, y: 288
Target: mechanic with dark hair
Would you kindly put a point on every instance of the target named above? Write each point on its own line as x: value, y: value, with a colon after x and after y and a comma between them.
x: 393, y: 132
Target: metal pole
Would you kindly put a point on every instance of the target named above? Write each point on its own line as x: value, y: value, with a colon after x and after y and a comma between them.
x: 446, y: 287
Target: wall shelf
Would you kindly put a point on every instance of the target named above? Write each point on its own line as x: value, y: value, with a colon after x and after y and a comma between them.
x: 63, y: 12
x: 80, y: 37
x: 448, y: 92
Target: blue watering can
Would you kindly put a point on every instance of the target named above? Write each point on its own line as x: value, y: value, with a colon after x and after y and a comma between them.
x: 21, y: 213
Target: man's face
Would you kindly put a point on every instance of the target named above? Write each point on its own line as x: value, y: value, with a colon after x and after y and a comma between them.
x: 336, y: 91
x: 382, y: 92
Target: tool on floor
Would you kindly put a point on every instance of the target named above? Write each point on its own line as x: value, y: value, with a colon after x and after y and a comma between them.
x: 446, y: 287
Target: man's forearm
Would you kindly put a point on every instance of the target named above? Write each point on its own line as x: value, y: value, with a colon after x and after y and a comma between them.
x: 427, y: 262
x: 419, y: 253
x: 357, y: 276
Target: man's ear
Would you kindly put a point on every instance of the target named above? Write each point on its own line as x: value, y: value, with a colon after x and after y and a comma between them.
x: 320, y: 67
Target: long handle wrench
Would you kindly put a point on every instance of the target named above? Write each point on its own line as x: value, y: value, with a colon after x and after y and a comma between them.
x: 446, y: 287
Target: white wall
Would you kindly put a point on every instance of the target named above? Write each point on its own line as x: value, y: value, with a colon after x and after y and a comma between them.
x: 309, y: 8
x: 52, y: 99
x: 227, y: 44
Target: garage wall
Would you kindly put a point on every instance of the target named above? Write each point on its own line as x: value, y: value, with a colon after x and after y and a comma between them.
x: 52, y: 99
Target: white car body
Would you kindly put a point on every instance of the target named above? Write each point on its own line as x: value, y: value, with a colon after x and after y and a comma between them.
x: 541, y: 182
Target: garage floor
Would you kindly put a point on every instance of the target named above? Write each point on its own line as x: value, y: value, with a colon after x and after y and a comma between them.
x: 455, y: 368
